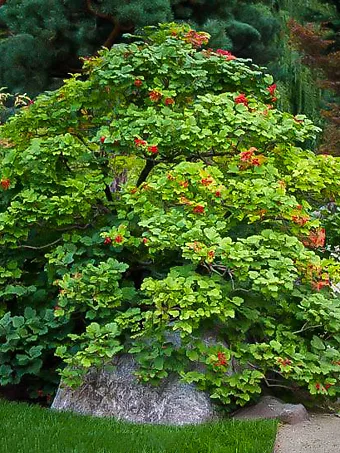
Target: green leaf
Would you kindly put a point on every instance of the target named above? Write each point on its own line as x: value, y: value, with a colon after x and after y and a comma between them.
x: 18, y: 321
x: 158, y: 363
x: 35, y: 351
x: 317, y: 343
x: 192, y: 354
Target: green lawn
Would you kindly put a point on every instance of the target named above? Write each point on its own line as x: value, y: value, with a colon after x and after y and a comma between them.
x: 31, y: 429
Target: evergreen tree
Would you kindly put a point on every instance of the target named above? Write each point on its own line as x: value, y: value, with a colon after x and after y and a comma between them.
x: 43, y: 39
x: 319, y: 43
x: 299, y: 90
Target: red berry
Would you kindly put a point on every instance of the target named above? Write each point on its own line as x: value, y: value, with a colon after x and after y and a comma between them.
x: 241, y: 99
x: 272, y: 89
x: 300, y: 220
x: 211, y: 254
x: 222, y: 361
x: 138, y: 83
x: 153, y: 149
x: 155, y: 96
x: 118, y: 239
x: 139, y: 142
x: 218, y: 193
x: 199, y: 209
x: 107, y: 241
x: 169, y: 101
x: 245, y: 156
x: 286, y: 362
x: 228, y: 55
x: 5, y: 183
x: 256, y: 162
x: 145, y: 240
x: 102, y: 139
x: 206, y: 181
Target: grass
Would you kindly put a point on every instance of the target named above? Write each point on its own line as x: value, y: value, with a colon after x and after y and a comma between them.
x: 31, y: 429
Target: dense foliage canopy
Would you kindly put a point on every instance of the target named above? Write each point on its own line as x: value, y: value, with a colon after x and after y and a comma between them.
x: 161, y: 199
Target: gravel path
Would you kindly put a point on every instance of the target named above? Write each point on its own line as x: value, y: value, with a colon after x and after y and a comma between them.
x: 319, y: 435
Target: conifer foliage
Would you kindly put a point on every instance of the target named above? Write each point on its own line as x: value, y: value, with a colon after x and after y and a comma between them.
x: 45, y: 38
x: 319, y: 44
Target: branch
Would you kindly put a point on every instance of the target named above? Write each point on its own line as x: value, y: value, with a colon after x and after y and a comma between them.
x: 98, y: 13
x: 276, y: 385
x: 64, y: 160
x: 117, y: 27
x: 224, y: 269
x: 82, y: 140
x: 150, y: 163
x: 113, y: 35
x: 84, y: 227
x: 267, y: 380
x: 304, y: 328
x: 207, y: 154
x: 75, y: 227
x: 242, y: 289
x: 43, y: 246
x: 108, y: 193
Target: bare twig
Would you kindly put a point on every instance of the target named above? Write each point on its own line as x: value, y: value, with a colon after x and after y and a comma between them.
x: 43, y: 246
x: 267, y: 380
x: 277, y: 385
x: 242, y: 289
x: 304, y: 328
x: 75, y: 227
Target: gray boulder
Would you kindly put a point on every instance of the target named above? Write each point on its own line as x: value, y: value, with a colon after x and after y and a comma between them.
x: 119, y: 394
x: 270, y: 407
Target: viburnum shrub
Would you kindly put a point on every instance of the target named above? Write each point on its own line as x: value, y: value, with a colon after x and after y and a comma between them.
x: 160, y: 199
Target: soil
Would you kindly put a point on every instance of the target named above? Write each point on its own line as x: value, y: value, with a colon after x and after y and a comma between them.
x: 321, y: 434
